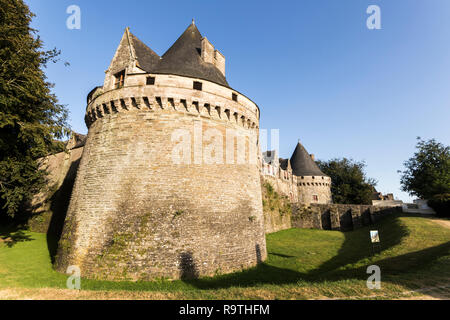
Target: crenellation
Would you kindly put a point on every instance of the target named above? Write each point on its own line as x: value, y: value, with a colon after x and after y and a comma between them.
x: 306, y: 180
x: 130, y: 198
x: 135, y: 102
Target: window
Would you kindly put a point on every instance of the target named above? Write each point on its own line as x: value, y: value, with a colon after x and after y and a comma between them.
x: 197, y: 85
x: 234, y: 96
x: 150, y: 81
x: 120, y: 79
x: 315, y: 198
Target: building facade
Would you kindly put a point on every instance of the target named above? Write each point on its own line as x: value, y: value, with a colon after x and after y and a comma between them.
x: 299, y: 177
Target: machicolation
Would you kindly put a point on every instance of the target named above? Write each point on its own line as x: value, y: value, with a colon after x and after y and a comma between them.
x: 139, y: 212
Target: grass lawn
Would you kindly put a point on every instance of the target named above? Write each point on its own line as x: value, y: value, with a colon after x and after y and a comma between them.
x: 302, y: 264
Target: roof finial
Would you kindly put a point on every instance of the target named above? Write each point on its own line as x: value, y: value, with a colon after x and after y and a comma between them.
x: 193, y: 21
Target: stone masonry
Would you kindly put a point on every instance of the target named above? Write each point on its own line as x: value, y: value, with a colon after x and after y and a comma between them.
x: 135, y: 213
x: 341, y: 217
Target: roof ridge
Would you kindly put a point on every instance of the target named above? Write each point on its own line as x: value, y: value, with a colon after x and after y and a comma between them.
x: 145, y: 56
x: 183, y: 58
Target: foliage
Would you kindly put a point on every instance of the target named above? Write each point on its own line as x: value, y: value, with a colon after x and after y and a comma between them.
x: 427, y: 173
x: 441, y: 204
x: 349, y: 184
x: 273, y: 201
x: 30, y: 117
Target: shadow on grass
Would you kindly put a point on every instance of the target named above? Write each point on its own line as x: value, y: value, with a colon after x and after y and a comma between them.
x: 356, y: 247
x: 12, y: 235
x: 357, y: 244
x: 281, y: 255
x: 59, y: 204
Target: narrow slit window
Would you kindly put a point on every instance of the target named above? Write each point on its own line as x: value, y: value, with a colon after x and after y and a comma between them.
x: 234, y: 97
x: 198, y: 85
x: 315, y: 198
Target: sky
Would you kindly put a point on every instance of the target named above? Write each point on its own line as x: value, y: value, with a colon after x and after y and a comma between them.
x: 317, y: 73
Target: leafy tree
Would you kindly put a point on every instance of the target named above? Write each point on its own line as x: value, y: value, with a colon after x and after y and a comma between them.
x: 427, y: 175
x: 30, y: 117
x: 349, y: 184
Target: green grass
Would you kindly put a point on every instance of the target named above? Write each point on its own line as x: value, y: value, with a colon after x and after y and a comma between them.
x: 302, y: 263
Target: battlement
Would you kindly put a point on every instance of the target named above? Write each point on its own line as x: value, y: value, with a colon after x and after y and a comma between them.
x: 298, y: 178
x: 317, y: 181
x: 137, y: 211
x: 175, y: 93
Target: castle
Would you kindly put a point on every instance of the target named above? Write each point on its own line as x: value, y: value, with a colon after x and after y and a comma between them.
x: 154, y: 195
x: 299, y: 177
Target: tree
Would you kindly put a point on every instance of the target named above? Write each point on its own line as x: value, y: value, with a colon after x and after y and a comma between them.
x: 349, y: 184
x: 30, y: 117
x: 427, y: 174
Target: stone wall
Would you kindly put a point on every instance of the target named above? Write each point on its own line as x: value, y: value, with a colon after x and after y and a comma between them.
x: 276, y: 207
x: 304, y: 189
x: 135, y: 214
x: 285, y: 187
x: 310, y: 186
x: 340, y: 217
x: 50, y: 205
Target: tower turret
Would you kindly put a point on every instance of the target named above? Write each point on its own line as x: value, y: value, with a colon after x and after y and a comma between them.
x: 169, y: 146
x: 312, y: 184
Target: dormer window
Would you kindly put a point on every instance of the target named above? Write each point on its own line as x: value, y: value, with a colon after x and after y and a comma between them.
x: 119, y: 79
x: 198, y: 85
x: 150, y: 81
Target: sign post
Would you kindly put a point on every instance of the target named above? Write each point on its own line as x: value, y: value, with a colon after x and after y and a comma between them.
x: 375, y: 239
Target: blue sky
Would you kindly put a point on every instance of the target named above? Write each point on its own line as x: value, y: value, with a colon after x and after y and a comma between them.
x: 315, y: 70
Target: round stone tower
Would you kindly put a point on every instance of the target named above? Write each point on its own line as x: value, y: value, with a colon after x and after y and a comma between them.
x: 168, y: 184
x: 312, y: 184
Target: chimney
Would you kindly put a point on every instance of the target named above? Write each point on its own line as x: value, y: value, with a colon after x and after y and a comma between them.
x: 210, y: 55
x: 313, y: 157
x: 219, y: 61
x: 207, y: 51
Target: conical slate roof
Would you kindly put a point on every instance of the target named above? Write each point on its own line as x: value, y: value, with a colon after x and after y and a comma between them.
x: 302, y: 164
x: 146, y: 57
x: 184, y: 58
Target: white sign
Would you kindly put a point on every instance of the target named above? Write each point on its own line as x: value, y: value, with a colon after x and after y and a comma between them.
x: 374, y: 237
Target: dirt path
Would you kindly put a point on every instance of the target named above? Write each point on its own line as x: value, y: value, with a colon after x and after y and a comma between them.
x: 442, y: 222
x: 430, y: 293
x: 65, y: 294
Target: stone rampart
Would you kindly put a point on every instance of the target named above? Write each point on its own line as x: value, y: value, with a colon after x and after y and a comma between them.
x: 342, y: 217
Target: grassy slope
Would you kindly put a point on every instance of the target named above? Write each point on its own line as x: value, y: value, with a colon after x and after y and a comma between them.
x: 302, y: 264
